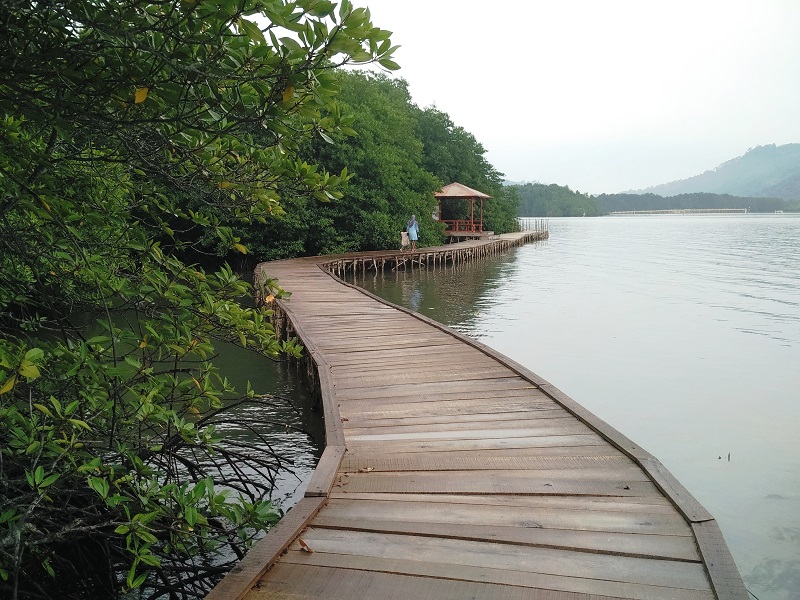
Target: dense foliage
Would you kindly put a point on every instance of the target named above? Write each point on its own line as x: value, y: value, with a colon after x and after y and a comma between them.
x: 395, y: 155
x: 136, y: 135
x: 453, y: 154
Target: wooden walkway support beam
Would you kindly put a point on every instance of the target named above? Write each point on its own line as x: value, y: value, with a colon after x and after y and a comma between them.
x: 453, y: 472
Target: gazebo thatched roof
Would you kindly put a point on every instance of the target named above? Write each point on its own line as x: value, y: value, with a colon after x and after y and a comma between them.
x: 459, y: 190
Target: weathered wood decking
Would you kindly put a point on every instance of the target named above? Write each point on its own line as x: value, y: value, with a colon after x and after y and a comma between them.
x: 452, y: 472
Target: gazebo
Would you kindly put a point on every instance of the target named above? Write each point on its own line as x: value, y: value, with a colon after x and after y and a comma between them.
x: 463, y: 227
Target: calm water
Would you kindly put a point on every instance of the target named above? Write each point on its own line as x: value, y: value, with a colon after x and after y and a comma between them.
x: 293, y: 428
x: 683, y: 332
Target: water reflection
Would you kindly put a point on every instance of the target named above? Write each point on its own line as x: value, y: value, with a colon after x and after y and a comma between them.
x: 288, y: 425
x: 683, y: 332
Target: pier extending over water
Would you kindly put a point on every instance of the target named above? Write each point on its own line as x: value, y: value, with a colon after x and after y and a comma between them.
x: 451, y: 472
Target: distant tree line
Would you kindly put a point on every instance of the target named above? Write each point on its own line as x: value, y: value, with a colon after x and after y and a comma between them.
x: 541, y: 200
x: 613, y: 202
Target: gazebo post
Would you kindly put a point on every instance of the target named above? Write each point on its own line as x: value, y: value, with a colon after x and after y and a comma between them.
x: 472, y: 215
x: 481, y: 225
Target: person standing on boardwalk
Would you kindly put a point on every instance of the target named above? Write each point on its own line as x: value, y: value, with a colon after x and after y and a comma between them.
x: 404, y: 243
x: 413, y: 232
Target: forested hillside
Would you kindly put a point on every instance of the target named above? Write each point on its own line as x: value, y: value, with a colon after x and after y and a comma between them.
x: 764, y: 171
x: 607, y: 203
x: 540, y: 200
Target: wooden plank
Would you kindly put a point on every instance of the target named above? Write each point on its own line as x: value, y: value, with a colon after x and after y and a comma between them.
x: 458, y: 411
x: 539, y: 429
x: 672, y: 488
x: 266, y: 552
x: 667, y: 547
x: 414, y: 377
x: 563, y: 422
x: 325, y: 473
x: 334, y: 432
x: 469, y: 444
x: 406, y: 398
x: 385, y: 356
x: 295, y: 581
x: 601, y: 484
x: 439, y: 512
x: 648, y: 504
x: 526, y: 560
x: 426, y: 462
x: 722, y: 571
x: 384, y: 391
x: 357, y: 452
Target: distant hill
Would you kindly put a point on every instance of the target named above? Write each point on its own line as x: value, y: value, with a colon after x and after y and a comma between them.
x: 764, y: 171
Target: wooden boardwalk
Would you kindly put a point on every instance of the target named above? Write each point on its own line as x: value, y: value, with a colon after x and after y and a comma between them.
x: 452, y: 472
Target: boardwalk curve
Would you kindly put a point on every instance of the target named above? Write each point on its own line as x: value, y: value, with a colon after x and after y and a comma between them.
x: 450, y: 471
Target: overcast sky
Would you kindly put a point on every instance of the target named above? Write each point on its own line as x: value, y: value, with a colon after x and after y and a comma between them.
x: 604, y: 95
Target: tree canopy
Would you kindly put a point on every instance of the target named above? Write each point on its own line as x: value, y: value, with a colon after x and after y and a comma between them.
x: 394, y: 155
x: 135, y: 135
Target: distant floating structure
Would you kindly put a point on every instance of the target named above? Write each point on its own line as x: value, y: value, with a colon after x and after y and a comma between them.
x: 684, y: 211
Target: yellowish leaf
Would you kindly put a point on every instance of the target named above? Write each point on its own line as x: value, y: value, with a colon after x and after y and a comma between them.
x: 8, y: 385
x: 29, y: 370
x: 240, y: 248
x: 269, y: 299
x: 141, y: 95
x: 224, y: 184
x: 288, y: 93
x: 193, y: 410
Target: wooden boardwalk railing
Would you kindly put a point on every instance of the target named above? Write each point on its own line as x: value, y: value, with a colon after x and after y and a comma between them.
x: 452, y: 472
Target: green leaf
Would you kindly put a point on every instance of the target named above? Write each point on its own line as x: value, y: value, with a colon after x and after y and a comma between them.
x: 81, y: 424
x: 8, y: 515
x: 48, y: 567
x: 42, y: 408
x: 34, y: 354
x: 251, y: 30
x: 389, y: 64
x: 99, y: 485
x: 49, y: 480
